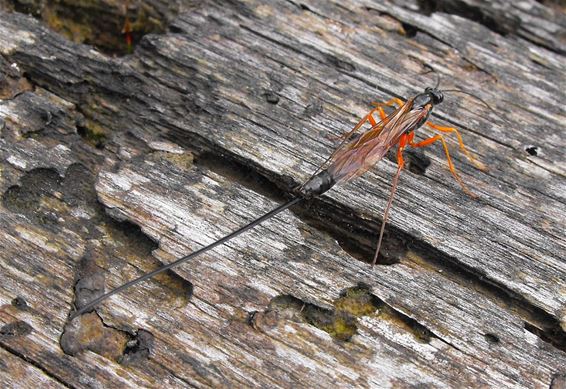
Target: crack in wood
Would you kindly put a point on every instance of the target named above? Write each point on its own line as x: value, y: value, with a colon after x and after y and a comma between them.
x: 494, y: 20
x: 148, y: 93
x: 36, y: 364
x: 340, y: 322
x: 111, y: 28
x: 326, y: 216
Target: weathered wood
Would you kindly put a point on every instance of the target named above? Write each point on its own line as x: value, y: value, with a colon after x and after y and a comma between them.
x: 215, y: 122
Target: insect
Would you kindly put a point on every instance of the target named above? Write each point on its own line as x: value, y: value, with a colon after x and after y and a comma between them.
x: 356, y: 154
x: 127, y: 30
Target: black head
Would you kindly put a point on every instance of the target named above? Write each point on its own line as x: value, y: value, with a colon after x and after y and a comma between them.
x: 435, y: 95
x: 431, y: 96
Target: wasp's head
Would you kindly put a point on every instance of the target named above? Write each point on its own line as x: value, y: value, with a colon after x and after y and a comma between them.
x: 430, y: 97
x: 436, y: 95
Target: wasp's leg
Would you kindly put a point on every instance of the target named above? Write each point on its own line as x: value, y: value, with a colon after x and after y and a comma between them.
x: 439, y: 137
x: 368, y: 118
x: 390, y: 103
x: 463, y: 148
x: 404, y: 141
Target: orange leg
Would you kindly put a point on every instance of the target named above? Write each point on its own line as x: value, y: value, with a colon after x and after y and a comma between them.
x: 389, y: 103
x: 372, y: 120
x: 382, y: 116
x: 439, y: 137
x: 463, y: 148
x: 369, y: 117
x: 406, y: 139
x: 379, y: 108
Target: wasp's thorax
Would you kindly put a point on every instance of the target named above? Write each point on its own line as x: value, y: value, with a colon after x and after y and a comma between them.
x: 423, y: 102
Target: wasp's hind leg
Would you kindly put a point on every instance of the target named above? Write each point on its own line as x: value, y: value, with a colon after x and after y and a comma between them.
x: 403, y: 141
x: 463, y: 148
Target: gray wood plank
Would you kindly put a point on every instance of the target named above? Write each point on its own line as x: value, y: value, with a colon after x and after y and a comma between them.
x: 113, y: 165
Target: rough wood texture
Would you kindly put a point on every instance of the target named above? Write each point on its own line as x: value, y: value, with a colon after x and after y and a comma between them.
x: 113, y: 165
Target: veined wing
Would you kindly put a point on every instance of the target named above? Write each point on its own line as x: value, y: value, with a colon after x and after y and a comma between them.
x: 348, y: 143
x: 351, y: 144
x: 358, y: 156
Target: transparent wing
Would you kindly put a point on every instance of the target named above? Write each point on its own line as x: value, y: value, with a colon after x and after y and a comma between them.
x: 358, y: 156
x: 350, y: 140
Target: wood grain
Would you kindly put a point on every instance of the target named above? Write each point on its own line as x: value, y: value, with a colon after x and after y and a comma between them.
x: 113, y: 165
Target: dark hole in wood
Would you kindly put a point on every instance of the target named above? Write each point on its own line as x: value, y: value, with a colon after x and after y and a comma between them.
x: 95, y: 23
x: 532, y: 150
x: 358, y: 241
x: 15, y: 329
x: 20, y: 303
x: 419, y: 331
x: 342, y: 321
x: 138, y: 349
x: 359, y: 301
x: 492, y: 338
x: 26, y: 198
x: 98, y: 140
x: 416, y: 162
x: 245, y: 175
x: 340, y: 325
x: 132, y: 236
x: 271, y: 97
x: 410, y: 30
x: 286, y: 301
x: 494, y: 20
x: 552, y: 335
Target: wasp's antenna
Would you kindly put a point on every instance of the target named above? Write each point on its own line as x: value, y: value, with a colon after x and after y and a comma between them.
x: 474, y: 96
x: 437, y: 79
x: 431, y: 70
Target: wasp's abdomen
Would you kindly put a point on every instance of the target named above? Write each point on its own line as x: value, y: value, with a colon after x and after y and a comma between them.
x: 318, y: 184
